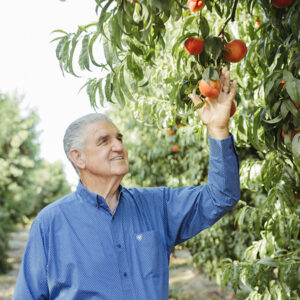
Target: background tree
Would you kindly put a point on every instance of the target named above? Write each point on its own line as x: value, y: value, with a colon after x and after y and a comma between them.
x: 27, y: 183
x: 148, y: 72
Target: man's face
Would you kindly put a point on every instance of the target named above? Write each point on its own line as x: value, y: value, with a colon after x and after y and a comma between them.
x: 104, y: 152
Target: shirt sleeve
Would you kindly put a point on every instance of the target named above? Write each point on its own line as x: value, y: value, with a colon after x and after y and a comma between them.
x: 32, y: 277
x: 191, y: 209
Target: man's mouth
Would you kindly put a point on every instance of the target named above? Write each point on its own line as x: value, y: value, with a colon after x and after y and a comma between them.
x: 117, y: 158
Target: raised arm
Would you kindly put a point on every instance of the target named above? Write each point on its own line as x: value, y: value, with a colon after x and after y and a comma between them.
x: 192, y: 209
x: 215, y: 112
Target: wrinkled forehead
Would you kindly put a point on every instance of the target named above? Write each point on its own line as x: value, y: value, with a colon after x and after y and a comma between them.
x: 100, y: 128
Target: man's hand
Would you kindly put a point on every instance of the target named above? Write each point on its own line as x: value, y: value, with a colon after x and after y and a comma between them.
x: 215, y: 112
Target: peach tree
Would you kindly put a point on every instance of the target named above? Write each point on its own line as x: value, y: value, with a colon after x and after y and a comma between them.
x: 147, y: 72
x: 27, y: 182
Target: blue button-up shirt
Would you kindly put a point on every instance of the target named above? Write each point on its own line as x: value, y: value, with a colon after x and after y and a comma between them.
x: 78, y: 249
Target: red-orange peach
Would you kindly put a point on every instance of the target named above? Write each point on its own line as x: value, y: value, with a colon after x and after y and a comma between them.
x: 210, y: 90
x: 294, y: 132
x: 282, y: 3
x: 194, y: 46
x: 233, y: 109
x: 175, y: 148
x: 235, y: 50
x: 195, y: 5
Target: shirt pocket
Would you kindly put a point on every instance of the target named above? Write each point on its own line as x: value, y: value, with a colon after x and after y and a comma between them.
x: 150, y: 254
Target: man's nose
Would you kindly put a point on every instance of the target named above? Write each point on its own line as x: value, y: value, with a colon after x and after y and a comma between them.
x: 117, y: 145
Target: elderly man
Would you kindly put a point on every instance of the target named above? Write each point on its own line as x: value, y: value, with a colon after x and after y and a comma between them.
x: 105, y: 241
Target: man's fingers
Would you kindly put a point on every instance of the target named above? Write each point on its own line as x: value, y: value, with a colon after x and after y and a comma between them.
x: 195, y: 98
x: 225, y: 80
x: 233, y: 90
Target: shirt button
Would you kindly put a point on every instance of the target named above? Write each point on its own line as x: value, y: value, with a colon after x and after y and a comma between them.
x: 119, y: 246
x: 125, y: 274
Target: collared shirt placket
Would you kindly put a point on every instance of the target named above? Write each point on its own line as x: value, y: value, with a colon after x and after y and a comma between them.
x: 116, y: 227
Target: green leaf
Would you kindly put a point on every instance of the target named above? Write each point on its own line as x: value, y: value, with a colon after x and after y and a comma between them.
x: 204, y: 27
x: 92, y: 41
x: 57, y: 38
x: 100, y: 92
x: 161, y: 5
x: 73, y: 47
x: 108, y: 88
x: 108, y: 54
x: 255, y: 130
x: 60, y: 31
x: 292, y: 86
x: 210, y: 73
x: 241, y: 216
x: 134, y: 68
x: 296, y: 149
x: 117, y: 91
x: 273, y: 121
x: 91, y: 91
x: 60, y: 46
x: 250, y: 69
x: 103, y: 16
x: 268, y: 262
x: 198, y: 106
x: 134, y: 48
x: 218, y: 9
x: 269, y: 83
x: 65, y: 52
x: 115, y: 32
x: 188, y: 21
x: 292, y: 108
x: 283, y: 109
x: 235, y: 277
x: 213, y: 46
x: 124, y: 85
x: 84, y: 55
x: 225, y: 275
x: 275, y: 107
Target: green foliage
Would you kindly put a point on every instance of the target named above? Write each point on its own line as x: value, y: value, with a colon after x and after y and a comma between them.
x: 26, y: 183
x: 149, y: 75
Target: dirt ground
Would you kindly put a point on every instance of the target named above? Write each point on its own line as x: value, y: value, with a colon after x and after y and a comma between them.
x: 185, y: 282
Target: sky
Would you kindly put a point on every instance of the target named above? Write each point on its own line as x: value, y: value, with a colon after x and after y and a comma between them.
x: 28, y: 65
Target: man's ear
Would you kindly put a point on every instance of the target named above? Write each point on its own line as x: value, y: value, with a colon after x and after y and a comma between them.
x: 78, y: 158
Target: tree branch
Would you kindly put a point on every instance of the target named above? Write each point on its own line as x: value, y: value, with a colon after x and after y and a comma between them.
x: 231, y: 18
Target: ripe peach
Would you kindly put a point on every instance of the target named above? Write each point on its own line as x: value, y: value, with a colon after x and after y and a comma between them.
x: 294, y: 132
x: 233, y: 109
x: 210, y: 90
x: 257, y: 22
x: 282, y: 3
x: 195, y: 5
x: 235, y: 50
x: 194, y: 46
x: 175, y: 148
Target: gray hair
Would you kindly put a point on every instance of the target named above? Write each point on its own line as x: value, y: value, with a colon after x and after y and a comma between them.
x: 74, y: 137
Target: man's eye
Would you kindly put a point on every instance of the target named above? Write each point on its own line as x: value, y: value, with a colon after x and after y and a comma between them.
x: 103, y: 142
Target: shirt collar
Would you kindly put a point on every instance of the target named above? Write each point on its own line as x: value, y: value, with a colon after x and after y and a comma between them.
x: 93, y: 198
